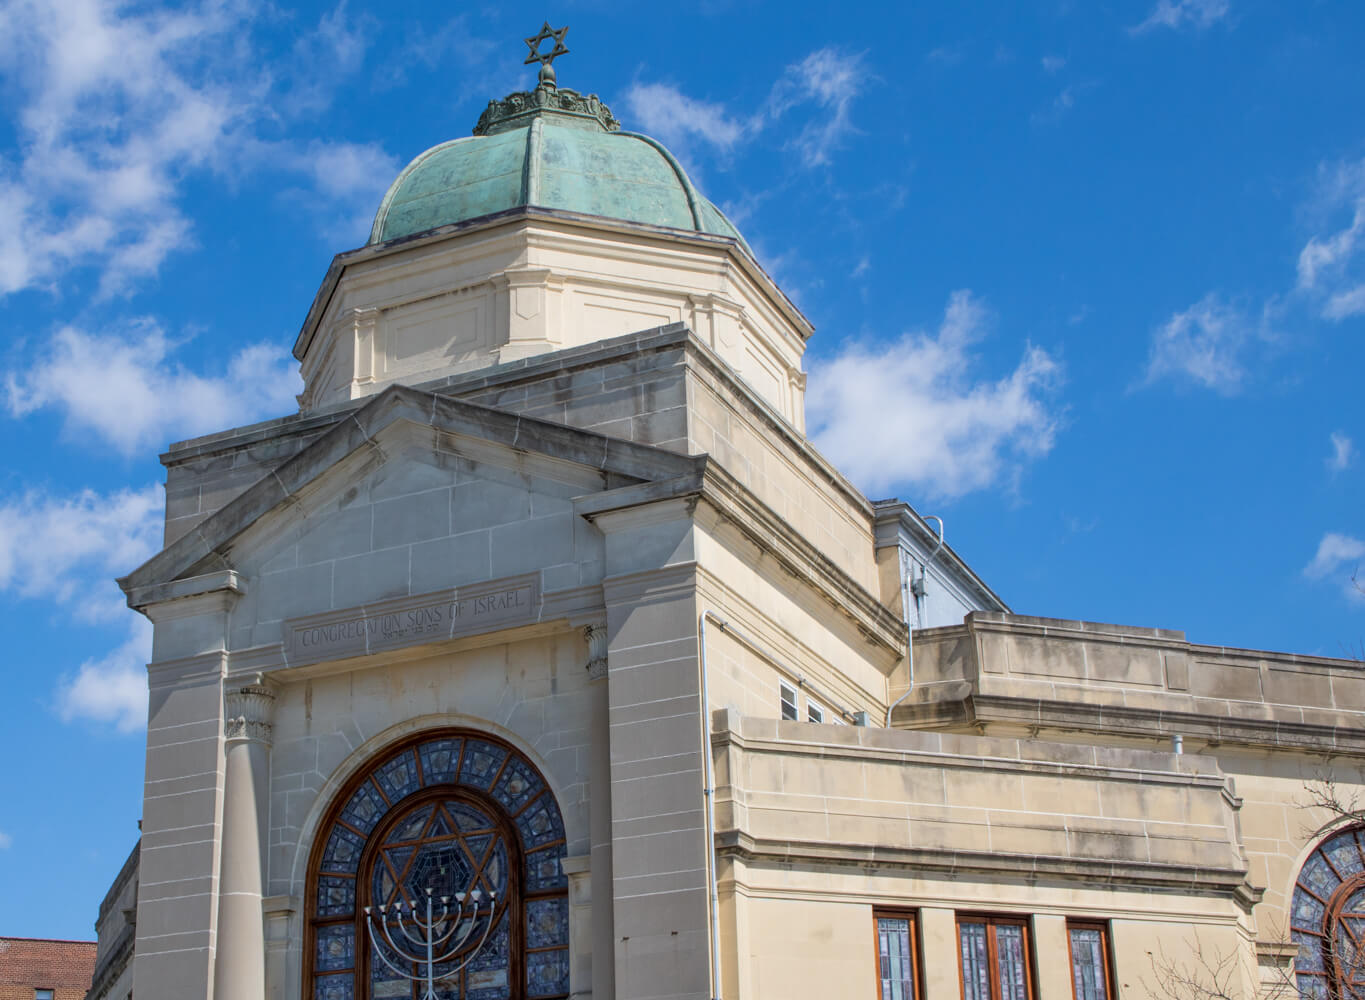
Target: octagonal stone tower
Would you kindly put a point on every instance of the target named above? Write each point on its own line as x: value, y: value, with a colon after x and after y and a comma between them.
x: 547, y: 228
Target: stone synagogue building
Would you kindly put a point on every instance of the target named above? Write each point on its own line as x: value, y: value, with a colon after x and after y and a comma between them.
x: 544, y: 602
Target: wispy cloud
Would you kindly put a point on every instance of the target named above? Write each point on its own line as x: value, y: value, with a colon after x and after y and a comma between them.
x: 1337, y: 557
x: 68, y: 549
x: 1053, y: 64
x: 1343, y: 452
x: 111, y: 689
x: 127, y: 388
x: 115, y: 106
x: 829, y: 79
x: 915, y: 413
x: 1197, y: 14
x: 684, y: 123
x: 6, y: 841
x: 1206, y: 344
x: 1330, y: 267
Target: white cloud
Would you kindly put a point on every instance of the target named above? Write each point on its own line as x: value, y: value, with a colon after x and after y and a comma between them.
x: 1343, y: 452
x: 676, y: 119
x: 1197, y: 14
x: 127, y: 389
x: 830, y: 80
x: 68, y: 549
x: 1330, y: 268
x: 1338, y: 556
x: 913, y: 413
x: 1204, y: 344
x: 1053, y: 64
x: 6, y: 841
x: 114, y: 106
x: 111, y: 689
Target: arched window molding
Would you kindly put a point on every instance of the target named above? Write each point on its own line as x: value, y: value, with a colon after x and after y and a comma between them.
x: 1327, y: 918
x: 442, y: 805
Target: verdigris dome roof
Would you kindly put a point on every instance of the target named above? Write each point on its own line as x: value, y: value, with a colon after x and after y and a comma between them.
x: 550, y: 148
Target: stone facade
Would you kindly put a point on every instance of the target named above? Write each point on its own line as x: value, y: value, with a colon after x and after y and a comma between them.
x: 518, y: 548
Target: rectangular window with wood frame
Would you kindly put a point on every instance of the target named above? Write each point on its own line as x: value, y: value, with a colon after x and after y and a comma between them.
x: 897, y: 954
x: 1091, y: 960
x: 996, y: 958
x: 786, y: 695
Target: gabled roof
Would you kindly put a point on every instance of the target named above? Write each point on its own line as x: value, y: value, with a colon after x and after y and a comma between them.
x: 204, y: 548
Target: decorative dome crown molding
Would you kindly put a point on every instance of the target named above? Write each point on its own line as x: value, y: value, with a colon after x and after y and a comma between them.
x: 512, y: 111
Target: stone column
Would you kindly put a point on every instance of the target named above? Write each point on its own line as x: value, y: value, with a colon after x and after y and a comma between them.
x: 239, y: 966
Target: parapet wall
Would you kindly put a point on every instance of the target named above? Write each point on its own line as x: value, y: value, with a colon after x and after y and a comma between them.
x: 1053, y: 674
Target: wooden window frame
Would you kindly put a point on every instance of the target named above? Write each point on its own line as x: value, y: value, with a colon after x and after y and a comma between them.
x: 815, y: 712
x: 993, y: 920
x: 916, y: 966
x: 783, y: 689
x: 1106, y: 947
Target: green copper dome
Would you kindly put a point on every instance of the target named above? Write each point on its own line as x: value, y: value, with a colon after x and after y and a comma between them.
x: 550, y: 148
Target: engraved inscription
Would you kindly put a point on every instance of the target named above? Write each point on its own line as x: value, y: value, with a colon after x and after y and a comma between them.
x: 405, y: 621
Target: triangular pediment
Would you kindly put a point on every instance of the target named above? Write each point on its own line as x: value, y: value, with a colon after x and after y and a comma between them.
x: 492, y: 467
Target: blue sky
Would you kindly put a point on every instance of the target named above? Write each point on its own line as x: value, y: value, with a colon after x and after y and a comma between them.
x: 1088, y: 281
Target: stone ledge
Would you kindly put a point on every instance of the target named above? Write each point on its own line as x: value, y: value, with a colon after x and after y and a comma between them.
x: 1187, y: 880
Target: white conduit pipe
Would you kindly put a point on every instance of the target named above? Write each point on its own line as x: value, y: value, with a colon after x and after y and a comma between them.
x: 909, y: 619
x: 709, y: 794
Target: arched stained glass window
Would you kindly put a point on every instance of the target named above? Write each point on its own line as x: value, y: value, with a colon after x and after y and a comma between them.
x: 451, y: 812
x: 1327, y: 919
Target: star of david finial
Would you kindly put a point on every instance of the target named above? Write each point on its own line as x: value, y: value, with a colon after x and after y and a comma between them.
x: 547, y: 71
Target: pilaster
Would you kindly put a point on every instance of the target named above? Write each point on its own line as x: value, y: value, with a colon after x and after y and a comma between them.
x: 239, y: 968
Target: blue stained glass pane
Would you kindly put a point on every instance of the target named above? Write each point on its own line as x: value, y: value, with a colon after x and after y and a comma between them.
x: 1307, y: 911
x: 342, y: 853
x: 547, y: 922
x: 439, y: 759
x: 386, y: 881
x: 1087, y: 963
x: 517, y: 786
x: 1009, y: 950
x: 398, y: 777
x: 495, y: 872
x: 468, y: 818
x: 547, y: 973
x: 543, y: 871
x: 1313, y: 987
x: 365, y: 809
x: 334, y: 987
x: 487, y: 976
x: 410, y: 827
x: 481, y: 763
x: 1309, y: 958
x: 336, y: 896
x: 441, y: 867
x: 1345, y: 854
x: 540, y: 824
x: 893, y: 958
x: 1318, y: 876
x: 336, y: 948
x: 976, y: 973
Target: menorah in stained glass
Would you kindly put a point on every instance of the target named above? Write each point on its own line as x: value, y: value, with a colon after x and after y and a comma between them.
x: 431, y: 942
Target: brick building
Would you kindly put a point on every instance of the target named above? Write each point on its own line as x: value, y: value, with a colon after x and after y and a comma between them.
x: 42, y: 969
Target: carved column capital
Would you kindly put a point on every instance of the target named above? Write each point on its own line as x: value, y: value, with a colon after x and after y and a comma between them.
x: 596, y: 634
x: 250, y: 710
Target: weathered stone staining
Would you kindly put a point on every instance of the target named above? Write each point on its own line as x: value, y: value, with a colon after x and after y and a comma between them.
x: 442, y: 626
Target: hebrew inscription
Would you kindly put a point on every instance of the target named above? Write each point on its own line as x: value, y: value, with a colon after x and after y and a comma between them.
x: 406, y: 621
